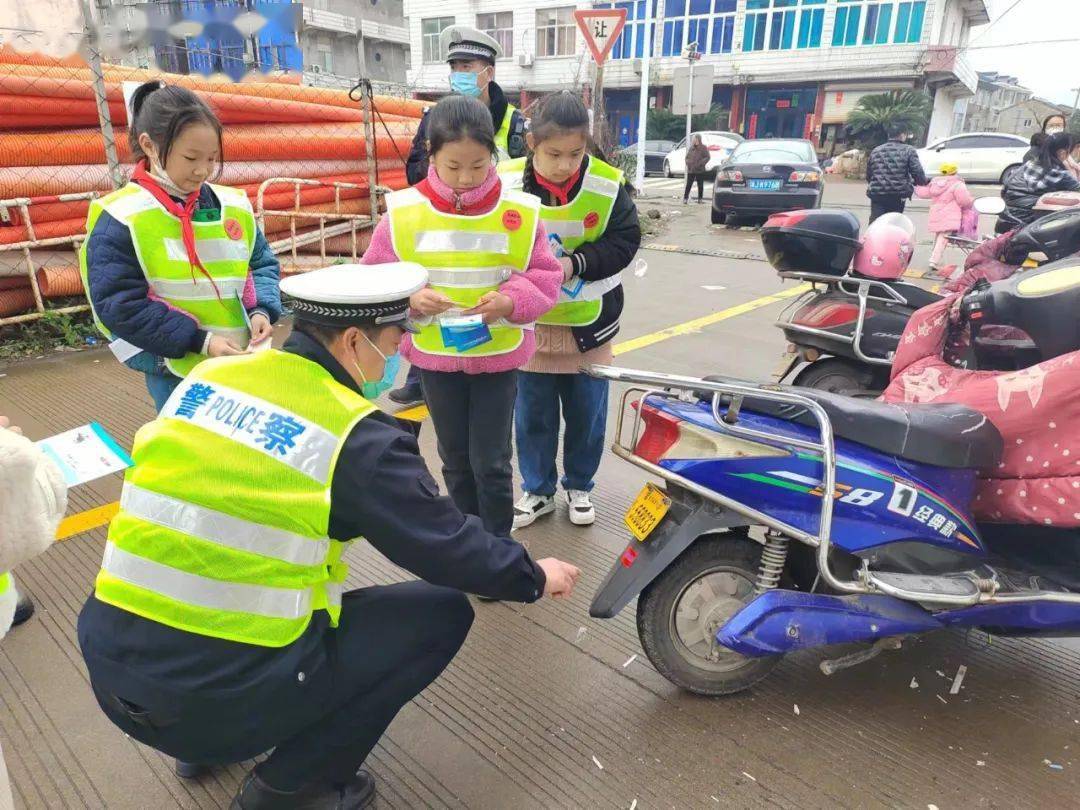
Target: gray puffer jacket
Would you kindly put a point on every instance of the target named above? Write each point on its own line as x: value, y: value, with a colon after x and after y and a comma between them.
x: 894, y: 170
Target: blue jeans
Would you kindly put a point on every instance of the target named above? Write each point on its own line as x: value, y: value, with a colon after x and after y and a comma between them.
x: 160, y: 382
x: 584, y: 404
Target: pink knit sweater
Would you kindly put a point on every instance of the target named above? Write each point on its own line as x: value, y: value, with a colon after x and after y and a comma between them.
x: 533, y: 292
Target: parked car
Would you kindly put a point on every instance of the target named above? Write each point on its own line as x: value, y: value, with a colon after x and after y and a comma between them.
x: 765, y: 176
x: 655, y: 152
x: 719, y: 144
x: 987, y: 156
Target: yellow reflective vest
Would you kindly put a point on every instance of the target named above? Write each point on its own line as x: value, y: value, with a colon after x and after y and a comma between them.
x: 223, y: 521
x: 502, y: 134
x: 466, y: 256
x: 583, y: 219
x: 224, y: 247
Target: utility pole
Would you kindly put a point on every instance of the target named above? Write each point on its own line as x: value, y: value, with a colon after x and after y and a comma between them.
x: 599, y: 125
x: 643, y: 101
x: 367, y: 110
x: 1076, y: 105
x: 97, y: 79
x: 692, y: 54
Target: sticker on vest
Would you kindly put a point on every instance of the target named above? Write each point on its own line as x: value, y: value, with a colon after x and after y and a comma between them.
x: 574, y: 289
x: 85, y: 454
x: 511, y: 220
x: 255, y: 423
x: 592, y: 219
x: 234, y: 230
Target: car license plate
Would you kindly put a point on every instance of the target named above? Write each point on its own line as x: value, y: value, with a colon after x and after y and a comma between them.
x: 765, y: 185
x: 647, y: 510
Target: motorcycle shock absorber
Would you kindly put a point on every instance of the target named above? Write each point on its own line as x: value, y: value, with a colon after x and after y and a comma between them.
x: 773, y: 558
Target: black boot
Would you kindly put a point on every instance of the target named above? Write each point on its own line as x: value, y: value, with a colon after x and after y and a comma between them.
x: 188, y: 770
x: 408, y: 395
x: 24, y: 609
x: 254, y: 794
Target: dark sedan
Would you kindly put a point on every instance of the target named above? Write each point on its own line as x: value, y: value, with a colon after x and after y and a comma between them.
x: 765, y: 176
x: 655, y: 152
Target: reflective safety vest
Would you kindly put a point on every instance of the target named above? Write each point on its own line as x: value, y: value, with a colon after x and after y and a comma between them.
x: 502, y: 135
x: 583, y: 219
x: 466, y: 256
x: 5, y: 582
x: 223, y: 521
x: 224, y: 247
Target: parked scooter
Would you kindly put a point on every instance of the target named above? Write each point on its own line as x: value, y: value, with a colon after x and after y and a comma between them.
x: 740, y: 558
x: 843, y: 332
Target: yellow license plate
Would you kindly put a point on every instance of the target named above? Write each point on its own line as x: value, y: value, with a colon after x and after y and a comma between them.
x: 647, y: 510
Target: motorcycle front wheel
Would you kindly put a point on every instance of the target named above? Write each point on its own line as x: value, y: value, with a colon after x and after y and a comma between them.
x: 681, y: 610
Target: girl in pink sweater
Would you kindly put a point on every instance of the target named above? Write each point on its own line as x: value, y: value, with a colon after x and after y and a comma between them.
x: 949, y: 199
x: 463, y: 226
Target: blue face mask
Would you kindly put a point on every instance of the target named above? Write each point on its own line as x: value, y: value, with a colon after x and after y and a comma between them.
x: 372, y: 390
x: 465, y: 83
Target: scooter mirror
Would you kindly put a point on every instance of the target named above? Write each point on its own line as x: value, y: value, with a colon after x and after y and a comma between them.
x: 989, y: 205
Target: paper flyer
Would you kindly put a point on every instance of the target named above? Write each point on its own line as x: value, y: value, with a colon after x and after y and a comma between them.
x: 85, y: 454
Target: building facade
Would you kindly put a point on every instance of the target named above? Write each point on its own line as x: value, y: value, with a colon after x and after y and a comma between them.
x: 791, y: 68
x: 995, y: 93
x: 343, y: 39
x: 1026, y: 118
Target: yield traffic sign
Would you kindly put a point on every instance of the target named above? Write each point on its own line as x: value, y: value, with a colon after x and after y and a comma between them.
x: 600, y: 27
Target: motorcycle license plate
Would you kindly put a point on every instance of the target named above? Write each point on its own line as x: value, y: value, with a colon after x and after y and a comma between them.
x: 647, y: 510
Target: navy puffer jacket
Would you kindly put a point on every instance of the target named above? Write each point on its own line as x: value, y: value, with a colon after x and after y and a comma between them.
x: 120, y: 293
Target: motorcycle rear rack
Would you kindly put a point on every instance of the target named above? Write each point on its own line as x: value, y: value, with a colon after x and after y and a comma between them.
x: 936, y: 590
x: 862, y: 292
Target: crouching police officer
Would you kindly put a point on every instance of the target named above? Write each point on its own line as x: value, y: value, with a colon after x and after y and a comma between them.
x: 218, y: 629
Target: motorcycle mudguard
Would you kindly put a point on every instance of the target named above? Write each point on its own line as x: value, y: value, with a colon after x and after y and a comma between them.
x: 642, y: 562
x: 779, y: 621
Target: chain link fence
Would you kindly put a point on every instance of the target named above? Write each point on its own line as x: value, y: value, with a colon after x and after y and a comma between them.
x: 314, y: 160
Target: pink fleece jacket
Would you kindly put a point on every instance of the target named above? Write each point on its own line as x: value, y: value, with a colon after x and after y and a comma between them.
x: 948, y: 196
x: 533, y: 292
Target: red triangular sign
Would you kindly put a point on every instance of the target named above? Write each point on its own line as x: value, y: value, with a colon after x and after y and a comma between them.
x: 600, y: 27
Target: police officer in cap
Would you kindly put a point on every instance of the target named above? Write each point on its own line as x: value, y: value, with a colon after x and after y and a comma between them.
x: 471, y: 54
x: 220, y: 627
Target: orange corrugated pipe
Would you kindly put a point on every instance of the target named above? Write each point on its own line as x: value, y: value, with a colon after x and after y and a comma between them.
x: 249, y: 141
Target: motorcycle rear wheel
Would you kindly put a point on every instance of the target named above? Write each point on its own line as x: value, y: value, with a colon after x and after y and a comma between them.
x: 837, y: 376
x: 680, y: 611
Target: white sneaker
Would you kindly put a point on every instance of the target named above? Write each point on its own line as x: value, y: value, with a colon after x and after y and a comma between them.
x: 532, y: 507
x: 581, y: 508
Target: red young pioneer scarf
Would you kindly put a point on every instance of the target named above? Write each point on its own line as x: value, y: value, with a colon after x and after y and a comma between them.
x: 560, y: 191
x: 182, y: 212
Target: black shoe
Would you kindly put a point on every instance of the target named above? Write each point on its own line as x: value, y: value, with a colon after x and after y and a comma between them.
x: 254, y: 794
x: 407, y: 395
x: 24, y: 609
x: 188, y: 770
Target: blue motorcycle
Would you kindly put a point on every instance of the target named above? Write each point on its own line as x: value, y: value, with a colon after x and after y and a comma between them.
x: 792, y: 518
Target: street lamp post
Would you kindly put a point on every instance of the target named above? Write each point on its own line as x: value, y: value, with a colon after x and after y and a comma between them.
x: 692, y: 55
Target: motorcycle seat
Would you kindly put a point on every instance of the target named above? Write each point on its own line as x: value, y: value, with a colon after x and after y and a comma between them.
x: 944, y: 435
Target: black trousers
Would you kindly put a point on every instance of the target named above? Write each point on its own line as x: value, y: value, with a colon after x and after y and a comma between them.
x: 698, y: 177
x: 473, y: 415
x: 886, y: 205
x: 322, y: 721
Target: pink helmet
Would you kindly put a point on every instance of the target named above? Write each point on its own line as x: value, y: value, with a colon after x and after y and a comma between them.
x: 887, y: 247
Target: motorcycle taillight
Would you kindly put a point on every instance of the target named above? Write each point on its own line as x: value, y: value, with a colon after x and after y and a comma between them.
x: 660, y: 435
x: 828, y: 314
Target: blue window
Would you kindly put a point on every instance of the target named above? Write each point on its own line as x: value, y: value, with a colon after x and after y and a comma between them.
x: 846, y: 29
x: 723, y: 33
x: 631, y: 42
x: 909, y: 21
x: 783, y: 24
x: 673, y: 38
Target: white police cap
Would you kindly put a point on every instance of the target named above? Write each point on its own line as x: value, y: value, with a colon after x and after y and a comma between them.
x: 465, y: 42
x: 356, y: 294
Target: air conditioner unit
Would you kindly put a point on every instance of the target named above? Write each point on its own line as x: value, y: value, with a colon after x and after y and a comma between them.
x: 524, y: 60
x: 315, y: 68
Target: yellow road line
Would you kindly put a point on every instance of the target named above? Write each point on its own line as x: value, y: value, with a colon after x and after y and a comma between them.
x: 85, y: 521
x: 100, y: 516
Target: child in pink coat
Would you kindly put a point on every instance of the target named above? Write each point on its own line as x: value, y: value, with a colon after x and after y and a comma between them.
x: 949, y: 199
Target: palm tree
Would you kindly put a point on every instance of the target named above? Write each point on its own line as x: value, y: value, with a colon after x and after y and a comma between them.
x: 878, y: 115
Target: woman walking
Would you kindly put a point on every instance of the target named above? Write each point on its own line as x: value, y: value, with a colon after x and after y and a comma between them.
x: 697, y: 159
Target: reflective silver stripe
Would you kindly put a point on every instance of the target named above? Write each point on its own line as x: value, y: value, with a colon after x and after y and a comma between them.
x: 240, y: 335
x: 199, y: 289
x: 209, y: 250
x: 255, y: 423
x: 130, y: 204
x: 595, y: 290
x: 565, y: 228
x: 224, y: 530
x: 215, y: 594
x: 600, y: 185
x: 462, y: 241
x: 333, y: 593
x: 468, y: 277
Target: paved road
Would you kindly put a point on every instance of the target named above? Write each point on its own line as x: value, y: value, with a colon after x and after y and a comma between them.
x: 541, y: 694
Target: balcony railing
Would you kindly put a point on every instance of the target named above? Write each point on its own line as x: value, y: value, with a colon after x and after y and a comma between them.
x: 329, y: 21
x: 371, y: 29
